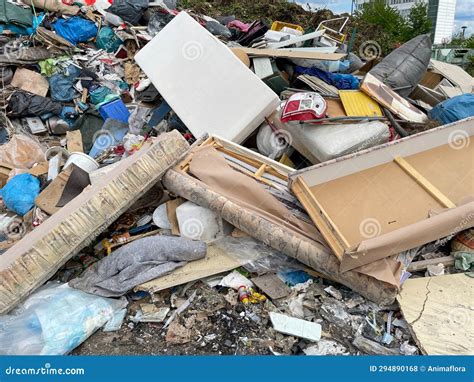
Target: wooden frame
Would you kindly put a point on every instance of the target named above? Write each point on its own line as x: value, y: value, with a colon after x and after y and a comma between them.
x: 426, y: 180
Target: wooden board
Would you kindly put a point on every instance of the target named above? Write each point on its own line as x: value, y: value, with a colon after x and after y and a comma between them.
x: 272, y: 286
x: 215, y: 262
x: 39, y: 255
x: 440, y: 313
x: 288, y: 53
x: 423, y: 264
x: 74, y: 141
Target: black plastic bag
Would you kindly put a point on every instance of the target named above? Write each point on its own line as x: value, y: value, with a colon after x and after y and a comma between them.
x: 23, y: 104
x: 129, y: 10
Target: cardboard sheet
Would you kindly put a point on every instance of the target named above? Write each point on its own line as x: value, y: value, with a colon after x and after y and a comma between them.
x: 455, y: 74
x: 211, y: 168
x: 207, y: 86
x: 30, y: 81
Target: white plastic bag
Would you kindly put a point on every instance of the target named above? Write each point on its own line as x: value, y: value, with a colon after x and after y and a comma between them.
x: 54, y: 320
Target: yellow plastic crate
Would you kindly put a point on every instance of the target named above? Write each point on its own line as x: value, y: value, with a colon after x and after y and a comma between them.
x: 279, y: 25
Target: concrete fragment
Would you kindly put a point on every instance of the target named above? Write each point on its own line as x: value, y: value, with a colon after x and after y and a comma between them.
x: 296, y: 327
x: 326, y: 347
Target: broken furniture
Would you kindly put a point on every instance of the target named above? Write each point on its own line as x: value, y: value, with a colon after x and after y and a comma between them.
x: 378, y: 202
x: 258, y: 214
x: 34, y: 259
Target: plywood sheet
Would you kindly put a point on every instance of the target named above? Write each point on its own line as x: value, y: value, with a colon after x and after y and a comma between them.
x: 440, y: 312
x: 215, y: 262
x: 207, y: 86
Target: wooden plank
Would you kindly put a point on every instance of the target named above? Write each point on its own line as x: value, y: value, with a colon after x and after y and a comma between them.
x: 272, y: 286
x: 278, y: 53
x: 423, y: 264
x: 313, y: 208
x: 39, y: 255
x: 439, y: 313
x: 74, y: 141
x: 215, y: 262
x: 423, y: 182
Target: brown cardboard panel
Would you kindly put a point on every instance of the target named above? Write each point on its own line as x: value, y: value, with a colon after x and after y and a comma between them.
x: 385, y: 198
x: 374, y: 202
x: 449, y: 169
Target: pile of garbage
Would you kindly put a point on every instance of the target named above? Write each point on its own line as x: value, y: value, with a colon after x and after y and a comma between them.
x: 192, y: 184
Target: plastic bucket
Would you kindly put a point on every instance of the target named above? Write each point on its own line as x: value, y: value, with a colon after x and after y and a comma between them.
x: 84, y: 161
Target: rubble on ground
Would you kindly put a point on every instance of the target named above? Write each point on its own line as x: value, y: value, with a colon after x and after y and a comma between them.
x: 178, y: 178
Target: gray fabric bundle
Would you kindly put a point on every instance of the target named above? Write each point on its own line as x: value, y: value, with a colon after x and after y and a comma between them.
x: 404, y: 67
x: 136, y: 263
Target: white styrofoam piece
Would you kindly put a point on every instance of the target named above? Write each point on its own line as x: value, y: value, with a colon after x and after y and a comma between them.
x: 282, y: 323
x: 295, y: 39
x: 200, y: 223
x: 207, y: 86
x: 262, y: 67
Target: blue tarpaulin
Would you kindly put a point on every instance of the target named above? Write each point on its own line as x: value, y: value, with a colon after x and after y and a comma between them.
x: 453, y: 109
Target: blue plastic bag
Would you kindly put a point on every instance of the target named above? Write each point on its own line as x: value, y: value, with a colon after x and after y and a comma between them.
x: 454, y: 109
x: 62, y: 85
x: 20, y: 192
x: 76, y: 29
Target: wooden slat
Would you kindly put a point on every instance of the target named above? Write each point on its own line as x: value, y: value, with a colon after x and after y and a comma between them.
x: 425, y: 183
x: 423, y: 264
x: 324, y: 224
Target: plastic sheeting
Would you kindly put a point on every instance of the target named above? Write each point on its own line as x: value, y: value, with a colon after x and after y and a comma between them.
x: 404, y: 67
x: 129, y: 10
x: 54, y: 320
x: 21, y: 152
x: 76, y: 29
x: 320, y: 143
x: 453, y: 109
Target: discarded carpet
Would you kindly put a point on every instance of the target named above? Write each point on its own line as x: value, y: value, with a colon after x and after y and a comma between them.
x: 136, y: 263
